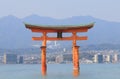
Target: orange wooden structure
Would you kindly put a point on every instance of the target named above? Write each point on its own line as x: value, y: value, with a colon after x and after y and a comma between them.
x: 74, y: 29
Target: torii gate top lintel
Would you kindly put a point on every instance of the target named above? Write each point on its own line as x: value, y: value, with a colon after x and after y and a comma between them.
x: 59, y: 29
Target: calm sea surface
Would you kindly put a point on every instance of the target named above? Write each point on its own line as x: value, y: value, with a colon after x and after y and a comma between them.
x: 60, y: 71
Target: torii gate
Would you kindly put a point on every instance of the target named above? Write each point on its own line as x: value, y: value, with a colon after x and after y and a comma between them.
x: 74, y: 29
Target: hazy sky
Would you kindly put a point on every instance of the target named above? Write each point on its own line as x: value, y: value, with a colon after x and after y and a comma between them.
x: 104, y: 9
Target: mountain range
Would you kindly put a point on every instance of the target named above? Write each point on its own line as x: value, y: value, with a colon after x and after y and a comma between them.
x: 14, y: 35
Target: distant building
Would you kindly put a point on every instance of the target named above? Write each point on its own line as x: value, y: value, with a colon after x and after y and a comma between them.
x: 51, y: 59
x: 115, y: 58
x: 107, y: 58
x: 95, y: 59
x: 64, y: 49
x: 67, y: 57
x: 59, y: 59
x: 10, y: 59
x: 1, y: 59
x: 100, y: 58
x: 86, y: 61
x: 118, y: 57
x: 21, y: 60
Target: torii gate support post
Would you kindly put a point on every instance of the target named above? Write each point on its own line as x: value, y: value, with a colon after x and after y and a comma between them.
x: 75, y: 56
x: 76, y: 68
x: 43, y: 56
x: 43, y: 60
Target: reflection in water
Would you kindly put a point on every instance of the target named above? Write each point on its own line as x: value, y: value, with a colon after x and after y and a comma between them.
x: 76, y: 73
x: 44, y: 73
x: 60, y: 76
x: 44, y: 77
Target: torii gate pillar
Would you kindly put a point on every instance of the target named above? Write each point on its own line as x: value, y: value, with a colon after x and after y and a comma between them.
x: 43, y: 60
x: 43, y: 55
x: 76, y: 68
x: 75, y: 54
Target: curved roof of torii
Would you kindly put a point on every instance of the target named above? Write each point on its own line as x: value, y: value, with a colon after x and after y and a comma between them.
x: 58, y: 27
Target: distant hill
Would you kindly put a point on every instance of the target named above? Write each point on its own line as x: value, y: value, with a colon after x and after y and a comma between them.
x: 14, y: 35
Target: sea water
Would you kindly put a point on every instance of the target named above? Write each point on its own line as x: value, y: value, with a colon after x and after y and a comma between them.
x: 59, y: 71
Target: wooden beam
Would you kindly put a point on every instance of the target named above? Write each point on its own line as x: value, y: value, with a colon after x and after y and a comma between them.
x: 44, y: 39
x: 70, y: 30
x: 55, y: 38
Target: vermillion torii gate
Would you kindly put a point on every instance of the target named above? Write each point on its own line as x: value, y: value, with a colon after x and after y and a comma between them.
x: 59, y: 30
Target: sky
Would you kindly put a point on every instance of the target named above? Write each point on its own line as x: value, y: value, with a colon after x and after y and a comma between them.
x: 103, y: 9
